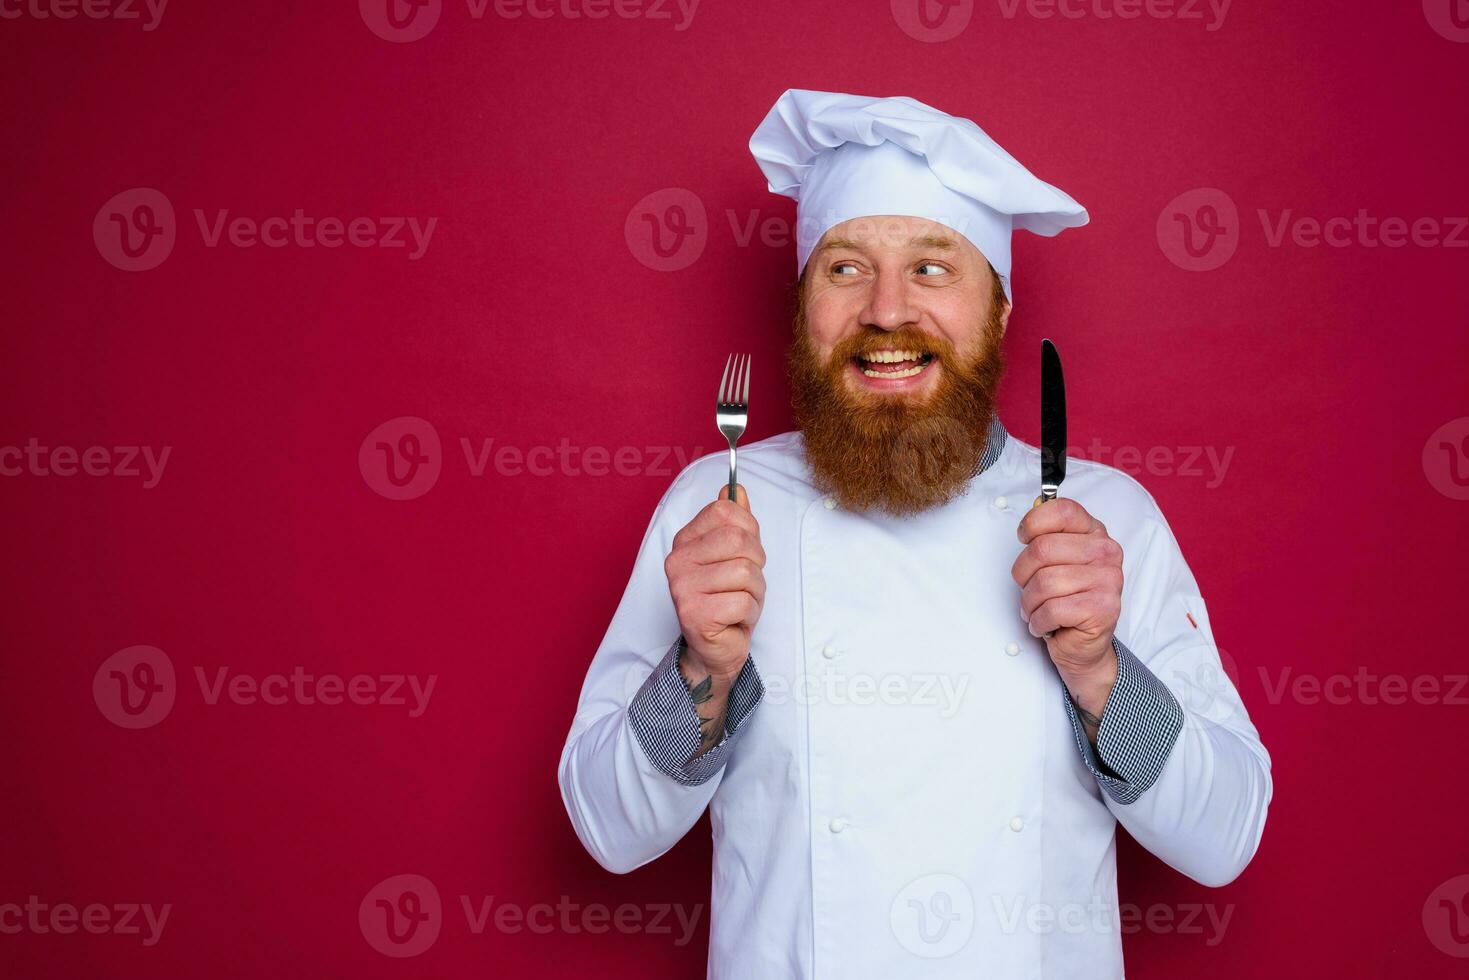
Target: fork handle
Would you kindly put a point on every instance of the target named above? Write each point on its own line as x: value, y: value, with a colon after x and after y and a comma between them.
x: 733, y: 472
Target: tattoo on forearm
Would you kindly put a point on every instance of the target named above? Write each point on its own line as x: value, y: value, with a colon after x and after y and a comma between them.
x: 710, y: 725
x: 1089, y: 720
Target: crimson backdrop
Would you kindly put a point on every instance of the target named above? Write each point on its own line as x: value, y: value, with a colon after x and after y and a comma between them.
x: 1297, y: 409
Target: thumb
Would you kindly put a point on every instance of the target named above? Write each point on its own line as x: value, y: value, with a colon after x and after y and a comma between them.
x: 741, y: 498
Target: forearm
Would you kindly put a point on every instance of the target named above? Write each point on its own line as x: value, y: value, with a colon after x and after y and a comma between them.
x: 1089, y: 692
x: 710, y: 694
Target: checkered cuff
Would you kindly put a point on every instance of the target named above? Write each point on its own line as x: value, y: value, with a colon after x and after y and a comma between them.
x: 1140, y: 724
x: 667, y: 726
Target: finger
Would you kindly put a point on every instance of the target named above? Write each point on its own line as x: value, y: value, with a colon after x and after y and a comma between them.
x: 1064, y: 549
x: 1062, y: 515
x: 1083, y: 610
x: 716, y: 514
x: 741, y: 497
x: 1057, y: 581
x: 735, y: 575
x: 724, y: 543
x: 1057, y: 613
x: 733, y: 608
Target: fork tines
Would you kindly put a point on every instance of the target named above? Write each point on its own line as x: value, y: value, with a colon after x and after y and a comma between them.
x: 734, y: 387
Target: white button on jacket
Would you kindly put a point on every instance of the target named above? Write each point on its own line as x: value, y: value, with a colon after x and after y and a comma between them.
x: 920, y: 805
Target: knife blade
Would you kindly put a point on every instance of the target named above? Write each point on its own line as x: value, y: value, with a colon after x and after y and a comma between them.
x: 1053, y: 423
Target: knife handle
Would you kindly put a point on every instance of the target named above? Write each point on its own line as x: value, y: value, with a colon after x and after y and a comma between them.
x: 1045, y: 495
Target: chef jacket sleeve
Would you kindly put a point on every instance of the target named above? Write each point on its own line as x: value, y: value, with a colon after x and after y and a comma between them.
x: 624, y: 772
x: 667, y: 725
x: 1139, y: 725
x: 1179, y: 762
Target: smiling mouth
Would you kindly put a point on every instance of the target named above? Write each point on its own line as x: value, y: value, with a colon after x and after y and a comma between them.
x: 892, y: 365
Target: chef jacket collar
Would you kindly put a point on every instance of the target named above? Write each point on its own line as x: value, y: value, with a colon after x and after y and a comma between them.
x: 994, y: 444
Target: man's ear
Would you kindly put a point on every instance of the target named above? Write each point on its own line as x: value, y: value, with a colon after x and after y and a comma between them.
x: 1005, y: 319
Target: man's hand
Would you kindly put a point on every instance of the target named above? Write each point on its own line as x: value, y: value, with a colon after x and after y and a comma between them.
x: 1070, y: 576
x: 716, y: 575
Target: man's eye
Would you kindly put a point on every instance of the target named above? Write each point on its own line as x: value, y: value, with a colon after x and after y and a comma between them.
x: 836, y: 269
x: 938, y: 269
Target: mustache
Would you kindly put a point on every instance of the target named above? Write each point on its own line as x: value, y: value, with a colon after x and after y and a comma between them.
x: 870, y: 340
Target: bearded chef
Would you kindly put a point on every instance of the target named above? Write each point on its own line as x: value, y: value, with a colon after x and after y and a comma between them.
x: 915, y: 706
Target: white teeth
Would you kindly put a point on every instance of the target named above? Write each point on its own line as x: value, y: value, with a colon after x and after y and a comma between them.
x: 905, y: 373
x: 890, y: 356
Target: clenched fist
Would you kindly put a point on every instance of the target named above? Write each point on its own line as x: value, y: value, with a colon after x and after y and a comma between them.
x: 717, y: 579
x: 1070, y: 578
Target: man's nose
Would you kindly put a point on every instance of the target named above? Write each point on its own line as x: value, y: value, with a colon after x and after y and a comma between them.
x: 889, y: 304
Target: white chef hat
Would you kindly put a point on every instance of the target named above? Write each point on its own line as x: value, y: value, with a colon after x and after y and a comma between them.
x: 852, y: 156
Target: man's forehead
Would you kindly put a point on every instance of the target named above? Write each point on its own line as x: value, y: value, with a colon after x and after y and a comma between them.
x: 892, y: 232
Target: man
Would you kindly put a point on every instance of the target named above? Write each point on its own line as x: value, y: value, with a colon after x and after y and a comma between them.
x: 915, y: 705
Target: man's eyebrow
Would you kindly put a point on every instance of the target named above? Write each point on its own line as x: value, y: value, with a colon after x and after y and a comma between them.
x: 840, y: 243
x: 935, y: 241
x: 941, y: 242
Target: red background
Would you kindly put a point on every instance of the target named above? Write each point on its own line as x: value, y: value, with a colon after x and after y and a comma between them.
x: 1327, y: 548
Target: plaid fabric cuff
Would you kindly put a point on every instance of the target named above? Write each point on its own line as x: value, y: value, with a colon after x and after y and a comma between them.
x: 1140, y: 725
x: 663, y: 717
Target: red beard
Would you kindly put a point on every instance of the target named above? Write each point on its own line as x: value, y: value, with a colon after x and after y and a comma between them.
x: 897, y: 453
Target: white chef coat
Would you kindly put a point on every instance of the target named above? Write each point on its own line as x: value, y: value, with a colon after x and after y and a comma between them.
x: 905, y: 791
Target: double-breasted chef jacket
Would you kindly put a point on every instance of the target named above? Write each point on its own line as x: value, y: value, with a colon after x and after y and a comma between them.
x: 903, y: 788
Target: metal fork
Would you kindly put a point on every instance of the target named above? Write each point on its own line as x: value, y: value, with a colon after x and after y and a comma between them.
x: 732, y: 410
